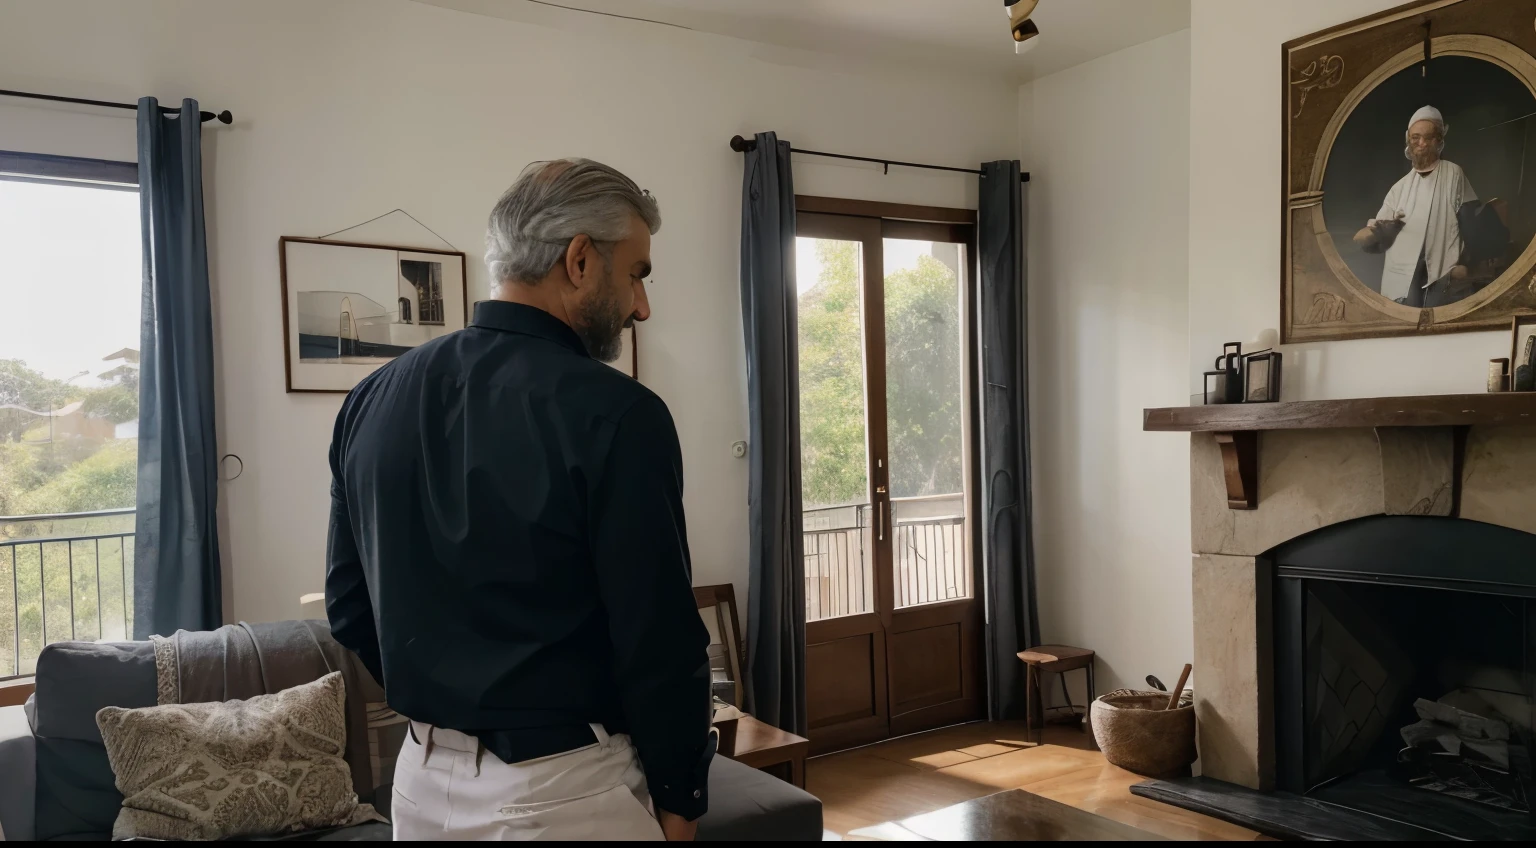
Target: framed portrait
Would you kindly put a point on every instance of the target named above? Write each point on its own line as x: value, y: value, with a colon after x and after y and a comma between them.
x: 1409, y: 185
x: 349, y: 308
x: 1522, y: 353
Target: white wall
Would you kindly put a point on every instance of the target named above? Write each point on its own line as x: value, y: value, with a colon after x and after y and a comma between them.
x: 1234, y: 228
x: 1107, y: 146
x: 349, y: 108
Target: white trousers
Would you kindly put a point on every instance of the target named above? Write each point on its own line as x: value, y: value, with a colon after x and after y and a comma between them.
x: 447, y: 788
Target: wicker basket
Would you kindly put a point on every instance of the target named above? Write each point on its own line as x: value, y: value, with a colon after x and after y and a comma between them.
x: 1136, y: 733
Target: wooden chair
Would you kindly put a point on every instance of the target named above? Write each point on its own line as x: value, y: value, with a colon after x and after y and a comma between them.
x: 722, y: 599
x: 1058, y: 659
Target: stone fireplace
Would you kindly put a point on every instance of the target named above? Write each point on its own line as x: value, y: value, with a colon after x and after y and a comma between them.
x: 1261, y: 612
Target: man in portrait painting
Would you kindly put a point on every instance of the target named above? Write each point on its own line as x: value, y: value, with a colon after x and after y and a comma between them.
x: 1440, y: 242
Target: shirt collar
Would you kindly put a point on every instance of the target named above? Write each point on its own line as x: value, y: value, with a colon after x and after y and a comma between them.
x: 527, y: 320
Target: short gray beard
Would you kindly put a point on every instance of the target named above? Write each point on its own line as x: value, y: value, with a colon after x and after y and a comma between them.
x: 600, y: 323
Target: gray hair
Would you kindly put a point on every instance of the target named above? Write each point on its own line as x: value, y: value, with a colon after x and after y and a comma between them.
x: 553, y: 202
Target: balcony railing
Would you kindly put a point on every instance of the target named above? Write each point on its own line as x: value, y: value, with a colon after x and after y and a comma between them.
x: 63, y: 577
x: 929, y: 546
x: 838, y: 580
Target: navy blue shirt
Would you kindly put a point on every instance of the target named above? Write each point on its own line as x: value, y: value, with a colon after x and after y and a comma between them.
x: 508, y: 555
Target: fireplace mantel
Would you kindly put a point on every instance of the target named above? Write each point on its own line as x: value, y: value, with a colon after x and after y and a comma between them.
x: 1418, y: 411
x: 1237, y: 425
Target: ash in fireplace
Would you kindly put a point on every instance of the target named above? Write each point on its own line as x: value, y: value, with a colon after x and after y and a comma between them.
x: 1465, y: 755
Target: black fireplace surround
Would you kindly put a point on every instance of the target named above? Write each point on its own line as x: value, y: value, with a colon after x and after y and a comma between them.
x: 1373, y: 614
x: 1369, y: 616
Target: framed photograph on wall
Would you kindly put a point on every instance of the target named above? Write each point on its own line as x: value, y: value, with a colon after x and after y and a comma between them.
x: 1407, y: 138
x: 349, y: 308
x: 1522, y: 353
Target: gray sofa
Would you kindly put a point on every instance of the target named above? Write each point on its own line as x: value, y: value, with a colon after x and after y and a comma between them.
x: 56, y: 784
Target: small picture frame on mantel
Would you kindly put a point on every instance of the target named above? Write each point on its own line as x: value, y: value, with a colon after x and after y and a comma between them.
x: 1261, y: 377
x: 1522, y: 353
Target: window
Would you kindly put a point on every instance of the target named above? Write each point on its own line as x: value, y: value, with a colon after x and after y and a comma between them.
x: 69, y: 401
x: 427, y: 279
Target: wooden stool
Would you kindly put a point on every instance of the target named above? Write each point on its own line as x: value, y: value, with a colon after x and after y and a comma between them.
x: 1059, y: 659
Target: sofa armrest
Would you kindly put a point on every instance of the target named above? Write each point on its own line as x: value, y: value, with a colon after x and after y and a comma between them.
x: 18, y: 762
x: 750, y: 805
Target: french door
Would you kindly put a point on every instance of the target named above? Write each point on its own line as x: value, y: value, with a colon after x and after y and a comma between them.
x: 886, y: 428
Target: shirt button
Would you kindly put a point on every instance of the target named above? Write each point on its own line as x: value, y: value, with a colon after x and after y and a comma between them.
x: 695, y: 793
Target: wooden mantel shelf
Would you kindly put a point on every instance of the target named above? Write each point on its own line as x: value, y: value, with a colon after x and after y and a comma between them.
x: 1422, y: 411
x: 1237, y: 425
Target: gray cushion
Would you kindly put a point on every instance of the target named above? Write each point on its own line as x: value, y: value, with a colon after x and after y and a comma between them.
x: 76, y: 679
x: 18, y: 764
x: 747, y: 804
x: 76, y: 792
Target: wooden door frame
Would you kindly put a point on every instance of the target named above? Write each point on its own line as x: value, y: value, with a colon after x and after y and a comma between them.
x: 876, y: 726
x: 953, y: 226
x: 869, y: 222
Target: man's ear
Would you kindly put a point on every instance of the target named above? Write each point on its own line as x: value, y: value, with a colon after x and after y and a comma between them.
x: 578, y: 259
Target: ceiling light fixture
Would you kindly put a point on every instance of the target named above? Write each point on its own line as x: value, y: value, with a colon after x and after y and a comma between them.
x: 1024, y: 29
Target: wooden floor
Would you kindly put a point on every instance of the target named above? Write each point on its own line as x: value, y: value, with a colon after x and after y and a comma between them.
x: 918, y: 774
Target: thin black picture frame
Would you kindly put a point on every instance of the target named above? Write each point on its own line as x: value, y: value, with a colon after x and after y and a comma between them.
x: 1266, y: 362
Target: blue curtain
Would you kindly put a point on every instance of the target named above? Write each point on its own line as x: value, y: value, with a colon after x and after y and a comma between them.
x: 776, y: 576
x: 176, y: 550
x: 1012, y: 624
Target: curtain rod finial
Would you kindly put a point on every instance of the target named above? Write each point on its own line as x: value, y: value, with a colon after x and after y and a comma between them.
x: 742, y: 145
x: 226, y: 118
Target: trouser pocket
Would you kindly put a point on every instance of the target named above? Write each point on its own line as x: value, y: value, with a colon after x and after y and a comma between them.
x: 613, y: 813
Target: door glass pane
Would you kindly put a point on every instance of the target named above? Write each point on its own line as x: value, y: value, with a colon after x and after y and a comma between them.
x: 926, y: 398
x: 834, y: 465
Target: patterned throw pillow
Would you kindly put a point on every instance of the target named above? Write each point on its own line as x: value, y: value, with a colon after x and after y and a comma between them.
x: 265, y: 766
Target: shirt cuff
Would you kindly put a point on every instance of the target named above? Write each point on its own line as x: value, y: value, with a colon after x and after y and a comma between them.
x: 688, y: 795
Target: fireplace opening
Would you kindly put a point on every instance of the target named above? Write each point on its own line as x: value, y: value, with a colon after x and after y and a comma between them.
x: 1403, y: 651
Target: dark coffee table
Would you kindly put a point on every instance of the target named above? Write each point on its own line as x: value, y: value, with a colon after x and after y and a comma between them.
x: 1012, y: 815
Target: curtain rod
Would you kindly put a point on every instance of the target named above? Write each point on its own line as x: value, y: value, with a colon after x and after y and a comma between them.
x: 742, y: 145
x: 223, y: 117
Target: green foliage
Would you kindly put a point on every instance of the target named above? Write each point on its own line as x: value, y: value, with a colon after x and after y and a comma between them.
x: 923, y: 381
x: 26, y: 387
x: 52, y: 590
x: 18, y: 475
x: 22, y: 386
x: 108, y: 479
x: 832, y: 437
x: 117, y: 403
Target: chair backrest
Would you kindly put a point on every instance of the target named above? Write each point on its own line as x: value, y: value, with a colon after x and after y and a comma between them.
x: 717, y: 604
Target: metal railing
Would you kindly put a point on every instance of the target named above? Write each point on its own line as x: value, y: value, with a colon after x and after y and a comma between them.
x: 75, y: 586
x: 930, y: 552
x: 838, y: 579
x: 931, y: 564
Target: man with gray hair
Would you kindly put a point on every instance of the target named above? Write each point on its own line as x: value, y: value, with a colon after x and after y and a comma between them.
x: 508, y: 554
x: 1417, y: 225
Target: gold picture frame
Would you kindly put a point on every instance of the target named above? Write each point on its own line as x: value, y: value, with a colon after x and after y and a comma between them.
x: 1348, y: 92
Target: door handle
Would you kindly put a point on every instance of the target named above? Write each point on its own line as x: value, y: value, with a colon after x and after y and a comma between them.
x: 879, y: 515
